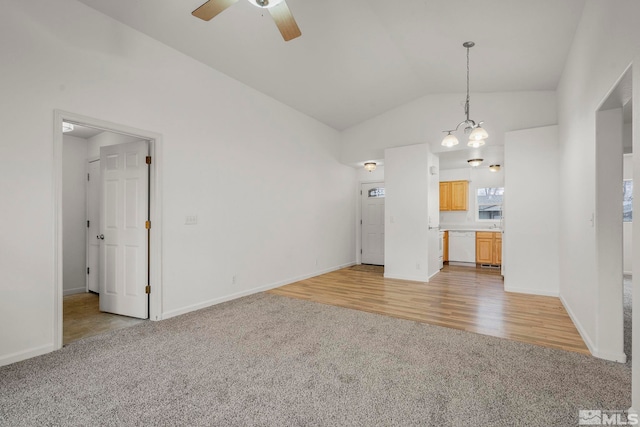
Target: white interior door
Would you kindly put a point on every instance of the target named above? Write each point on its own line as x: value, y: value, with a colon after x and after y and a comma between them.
x: 373, y: 223
x: 124, y: 237
x: 93, y: 230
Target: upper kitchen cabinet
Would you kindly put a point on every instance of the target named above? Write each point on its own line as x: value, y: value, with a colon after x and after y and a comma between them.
x: 454, y: 195
x: 445, y: 196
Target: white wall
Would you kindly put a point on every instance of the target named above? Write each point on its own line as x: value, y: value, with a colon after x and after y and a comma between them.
x: 433, y: 208
x: 424, y: 119
x: 273, y: 201
x: 532, y: 197
x: 627, y: 227
x: 406, y: 244
x: 604, y: 45
x: 74, y: 225
x: 104, y: 139
x: 479, y: 177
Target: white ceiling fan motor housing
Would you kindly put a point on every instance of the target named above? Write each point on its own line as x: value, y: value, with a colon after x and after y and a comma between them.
x: 265, y: 4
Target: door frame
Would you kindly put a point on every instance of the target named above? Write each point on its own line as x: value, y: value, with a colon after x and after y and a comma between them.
x: 86, y: 214
x: 155, y: 212
x: 359, y: 216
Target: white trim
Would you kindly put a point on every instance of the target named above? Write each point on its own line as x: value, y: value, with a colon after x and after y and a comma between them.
x: 87, y: 245
x: 405, y: 277
x: 578, y: 325
x: 614, y: 87
x: 155, y: 198
x: 209, y: 303
x: 463, y: 263
x: 614, y: 357
x: 74, y: 291
x: 27, y: 354
x: 532, y: 291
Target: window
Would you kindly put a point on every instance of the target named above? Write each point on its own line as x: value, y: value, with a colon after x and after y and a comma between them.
x: 489, y: 203
x: 627, y: 200
x: 376, y: 192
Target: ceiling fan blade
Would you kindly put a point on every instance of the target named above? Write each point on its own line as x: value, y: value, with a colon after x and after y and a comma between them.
x: 285, y: 22
x: 211, y: 8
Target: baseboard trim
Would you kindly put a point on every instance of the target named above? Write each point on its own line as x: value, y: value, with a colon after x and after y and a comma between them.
x: 462, y: 263
x: 585, y: 337
x: 405, y: 277
x: 613, y: 357
x: 219, y: 300
x: 532, y: 291
x: 27, y: 354
x: 74, y: 291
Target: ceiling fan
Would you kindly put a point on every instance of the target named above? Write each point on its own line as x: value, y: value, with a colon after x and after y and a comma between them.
x: 277, y: 8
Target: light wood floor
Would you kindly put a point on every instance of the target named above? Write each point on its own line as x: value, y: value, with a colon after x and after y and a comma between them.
x: 82, y: 318
x: 466, y: 298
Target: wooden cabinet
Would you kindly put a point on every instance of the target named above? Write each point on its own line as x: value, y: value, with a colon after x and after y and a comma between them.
x: 454, y: 195
x: 445, y: 196
x: 445, y: 247
x: 489, y: 247
x: 459, y: 195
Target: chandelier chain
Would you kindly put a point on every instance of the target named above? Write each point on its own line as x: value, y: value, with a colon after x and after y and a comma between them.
x: 477, y: 134
x: 466, y: 105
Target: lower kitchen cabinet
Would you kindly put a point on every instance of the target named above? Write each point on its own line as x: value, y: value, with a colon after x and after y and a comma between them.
x: 445, y: 247
x: 489, y: 247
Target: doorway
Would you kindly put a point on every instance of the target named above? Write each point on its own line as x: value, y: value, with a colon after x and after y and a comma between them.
x: 372, y: 223
x: 140, y: 193
x: 613, y: 122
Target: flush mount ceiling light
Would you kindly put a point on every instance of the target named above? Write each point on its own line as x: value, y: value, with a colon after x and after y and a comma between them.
x: 474, y: 162
x: 494, y: 168
x: 370, y: 166
x: 477, y: 134
x: 66, y: 127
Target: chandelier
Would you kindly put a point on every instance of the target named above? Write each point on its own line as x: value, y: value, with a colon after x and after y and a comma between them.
x: 477, y: 134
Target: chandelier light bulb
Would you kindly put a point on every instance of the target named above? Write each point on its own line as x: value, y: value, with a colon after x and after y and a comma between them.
x: 478, y: 134
x: 475, y: 144
x: 450, y: 140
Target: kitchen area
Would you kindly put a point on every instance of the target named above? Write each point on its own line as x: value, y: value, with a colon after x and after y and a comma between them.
x: 471, y: 216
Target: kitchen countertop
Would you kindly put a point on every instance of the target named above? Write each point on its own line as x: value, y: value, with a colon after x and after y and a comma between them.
x: 495, y: 230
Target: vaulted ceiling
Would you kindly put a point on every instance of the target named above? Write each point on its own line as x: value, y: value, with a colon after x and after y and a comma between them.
x: 359, y: 58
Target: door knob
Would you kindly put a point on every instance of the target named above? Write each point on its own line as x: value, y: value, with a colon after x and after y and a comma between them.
x: 101, y: 237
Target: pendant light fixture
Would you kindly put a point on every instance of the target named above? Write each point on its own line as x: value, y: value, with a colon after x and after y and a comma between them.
x: 474, y: 163
x: 477, y: 134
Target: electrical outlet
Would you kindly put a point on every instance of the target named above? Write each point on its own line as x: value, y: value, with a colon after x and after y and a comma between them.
x: 191, y: 220
x: 233, y: 280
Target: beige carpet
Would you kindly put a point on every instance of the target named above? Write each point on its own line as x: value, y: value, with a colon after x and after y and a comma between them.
x: 274, y: 361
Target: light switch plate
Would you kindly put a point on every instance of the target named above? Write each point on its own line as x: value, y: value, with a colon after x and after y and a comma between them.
x: 191, y: 220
